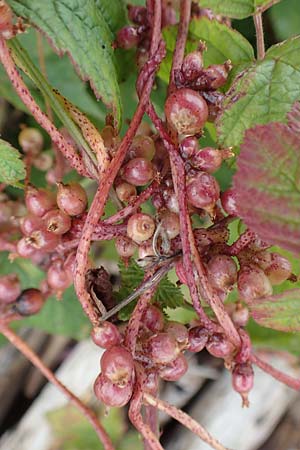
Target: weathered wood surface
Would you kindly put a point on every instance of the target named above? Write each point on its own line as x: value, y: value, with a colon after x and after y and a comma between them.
x: 183, y: 390
x: 78, y: 372
x: 287, y: 435
x: 13, y: 368
x: 219, y: 410
x: 217, y: 407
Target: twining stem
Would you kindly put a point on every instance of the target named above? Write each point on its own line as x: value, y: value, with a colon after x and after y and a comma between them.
x: 260, y: 42
x: 22, y: 60
x: 67, y: 150
x: 292, y: 382
x: 97, y: 206
x: 189, y: 250
x: 184, y: 419
x: 132, y: 207
x: 183, y: 216
x: 156, y: 26
x: 59, y: 159
x: 38, y: 363
x: 183, y: 28
x: 135, y: 320
x: 135, y: 415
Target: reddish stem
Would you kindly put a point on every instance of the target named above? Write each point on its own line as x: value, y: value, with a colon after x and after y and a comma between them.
x: 156, y: 26
x: 189, y: 248
x: 135, y: 415
x: 97, y: 206
x: 135, y: 320
x: 131, y: 208
x: 243, y: 241
x: 183, y: 418
x: 178, y: 174
x: 38, y: 363
x: 23, y: 92
x: 292, y: 382
x: 183, y: 29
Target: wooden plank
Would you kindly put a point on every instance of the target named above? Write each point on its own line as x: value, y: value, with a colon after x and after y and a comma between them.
x: 182, y: 391
x: 14, y: 366
x: 78, y: 372
x: 287, y: 434
x: 219, y: 410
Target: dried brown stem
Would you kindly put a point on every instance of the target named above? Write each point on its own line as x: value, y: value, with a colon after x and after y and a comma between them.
x: 184, y: 419
x: 23, y: 92
x: 38, y: 363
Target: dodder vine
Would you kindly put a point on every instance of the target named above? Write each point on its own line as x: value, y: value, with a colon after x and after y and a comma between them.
x: 56, y: 228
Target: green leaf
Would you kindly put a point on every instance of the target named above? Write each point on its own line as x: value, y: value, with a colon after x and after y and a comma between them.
x: 60, y: 74
x: 72, y: 431
x: 285, y: 18
x: 237, y: 9
x: 64, y: 317
x: 264, y: 93
x: 167, y: 294
x: 24, y: 61
x: 85, y: 35
x: 267, y: 182
x: 265, y: 338
x: 222, y: 42
x: 12, y: 168
x: 280, y: 312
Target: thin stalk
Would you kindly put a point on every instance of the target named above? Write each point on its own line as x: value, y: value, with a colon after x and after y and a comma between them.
x: 68, y: 151
x: 178, y: 174
x: 183, y: 29
x: 146, y: 285
x: 136, y: 318
x: 184, y: 419
x: 132, y: 207
x: 24, y: 61
x: 135, y: 415
x: 97, y: 206
x: 260, y: 42
x: 292, y: 382
x: 38, y: 363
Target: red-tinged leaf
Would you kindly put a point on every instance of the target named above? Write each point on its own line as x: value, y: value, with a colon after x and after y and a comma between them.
x: 267, y: 182
x: 280, y: 312
x: 294, y: 118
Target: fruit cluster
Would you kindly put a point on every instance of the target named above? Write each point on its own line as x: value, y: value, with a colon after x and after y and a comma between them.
x: 185, y: 223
